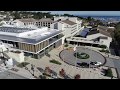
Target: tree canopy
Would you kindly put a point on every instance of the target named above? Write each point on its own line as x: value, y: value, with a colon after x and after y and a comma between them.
x: 117, y: 32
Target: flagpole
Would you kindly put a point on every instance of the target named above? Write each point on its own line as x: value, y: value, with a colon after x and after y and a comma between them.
x: 63, y: 54
x: 76, y: 57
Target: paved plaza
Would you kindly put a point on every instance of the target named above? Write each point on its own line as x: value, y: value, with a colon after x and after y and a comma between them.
x: 10, y: 75
x: 71, y: 71
x: 67, y: 56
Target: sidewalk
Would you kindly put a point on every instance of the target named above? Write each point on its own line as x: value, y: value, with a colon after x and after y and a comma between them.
x: 22, y: 72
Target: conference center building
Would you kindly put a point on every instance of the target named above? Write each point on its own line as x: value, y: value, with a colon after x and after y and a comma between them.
x: 33, y: 42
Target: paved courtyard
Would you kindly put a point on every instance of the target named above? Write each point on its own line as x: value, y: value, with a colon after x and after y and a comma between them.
x: 10, y: 75
x: 71, y: 71
x: 67, y: 56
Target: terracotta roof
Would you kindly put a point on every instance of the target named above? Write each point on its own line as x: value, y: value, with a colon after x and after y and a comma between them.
x: 104, y: 33
x: 45, y: 20
x: 102, y: 37
x: 27, y: 20
x: 102, y: 27
x: 69, y: 22
x: 100, y: 31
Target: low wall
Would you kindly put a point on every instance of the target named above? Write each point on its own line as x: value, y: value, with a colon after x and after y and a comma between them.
x: 19, y: 57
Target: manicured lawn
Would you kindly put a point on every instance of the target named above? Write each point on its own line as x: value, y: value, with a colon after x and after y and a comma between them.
x: 55, y: 62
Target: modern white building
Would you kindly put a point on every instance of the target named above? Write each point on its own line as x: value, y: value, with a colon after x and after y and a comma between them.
x: 92, y: 37
x: 56, y: 18
x: 73, y: 19
x: 33, y: 42
x: 68, y: 27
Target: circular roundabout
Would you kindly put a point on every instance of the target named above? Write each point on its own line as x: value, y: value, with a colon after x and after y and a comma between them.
x: 82, y: 55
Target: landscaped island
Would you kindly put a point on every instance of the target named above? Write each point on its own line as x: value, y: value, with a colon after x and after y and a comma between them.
x: 81, y: 55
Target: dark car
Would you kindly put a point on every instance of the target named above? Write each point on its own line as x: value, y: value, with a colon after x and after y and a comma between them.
x: 93, y: 63
x: 79, y: 64
x: 83, y: 64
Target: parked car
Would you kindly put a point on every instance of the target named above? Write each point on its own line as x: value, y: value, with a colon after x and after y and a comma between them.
x: 83, y: 64
x: 93, y: 63
x: 98, y: 63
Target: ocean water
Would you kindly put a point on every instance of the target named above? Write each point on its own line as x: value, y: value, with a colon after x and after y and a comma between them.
x: 104, y: 17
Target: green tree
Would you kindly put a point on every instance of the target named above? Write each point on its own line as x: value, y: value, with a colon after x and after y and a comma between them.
x: 89, y: 18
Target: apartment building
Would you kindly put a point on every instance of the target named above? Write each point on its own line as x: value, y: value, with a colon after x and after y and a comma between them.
x: 24, y: 22
x: 68, y: 27
x: 73, y: 19
x: 44, y: 22
x: 33, y: 42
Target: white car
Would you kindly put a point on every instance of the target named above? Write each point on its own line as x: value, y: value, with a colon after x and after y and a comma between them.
x: 98, y: 63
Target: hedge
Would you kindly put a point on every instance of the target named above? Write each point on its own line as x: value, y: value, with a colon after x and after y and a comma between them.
x: 103, y: 50
x: 109, y: 73
x: 103, y: 46
x: 55, y: 62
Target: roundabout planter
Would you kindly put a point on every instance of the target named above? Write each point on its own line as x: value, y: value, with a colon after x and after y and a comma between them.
x: 81, y: 55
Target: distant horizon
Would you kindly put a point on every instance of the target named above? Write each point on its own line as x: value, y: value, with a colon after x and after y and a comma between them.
x: 86, y: 13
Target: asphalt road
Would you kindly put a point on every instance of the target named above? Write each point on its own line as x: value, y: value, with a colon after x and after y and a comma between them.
x: 113, y: 63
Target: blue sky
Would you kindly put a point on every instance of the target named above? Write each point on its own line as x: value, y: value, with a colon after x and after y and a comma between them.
x: 88, y: 13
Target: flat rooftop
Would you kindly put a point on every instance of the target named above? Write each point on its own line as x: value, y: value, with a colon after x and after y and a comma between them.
x: 31, y: 38
x: 15, y: 29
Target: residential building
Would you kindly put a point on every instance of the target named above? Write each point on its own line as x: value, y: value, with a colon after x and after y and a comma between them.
x: 73, y: 19
x: 33, y: 42
x: 68, y: 27
x: 56, y: 18
x: 44, y: 22
x: 24, y: 22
